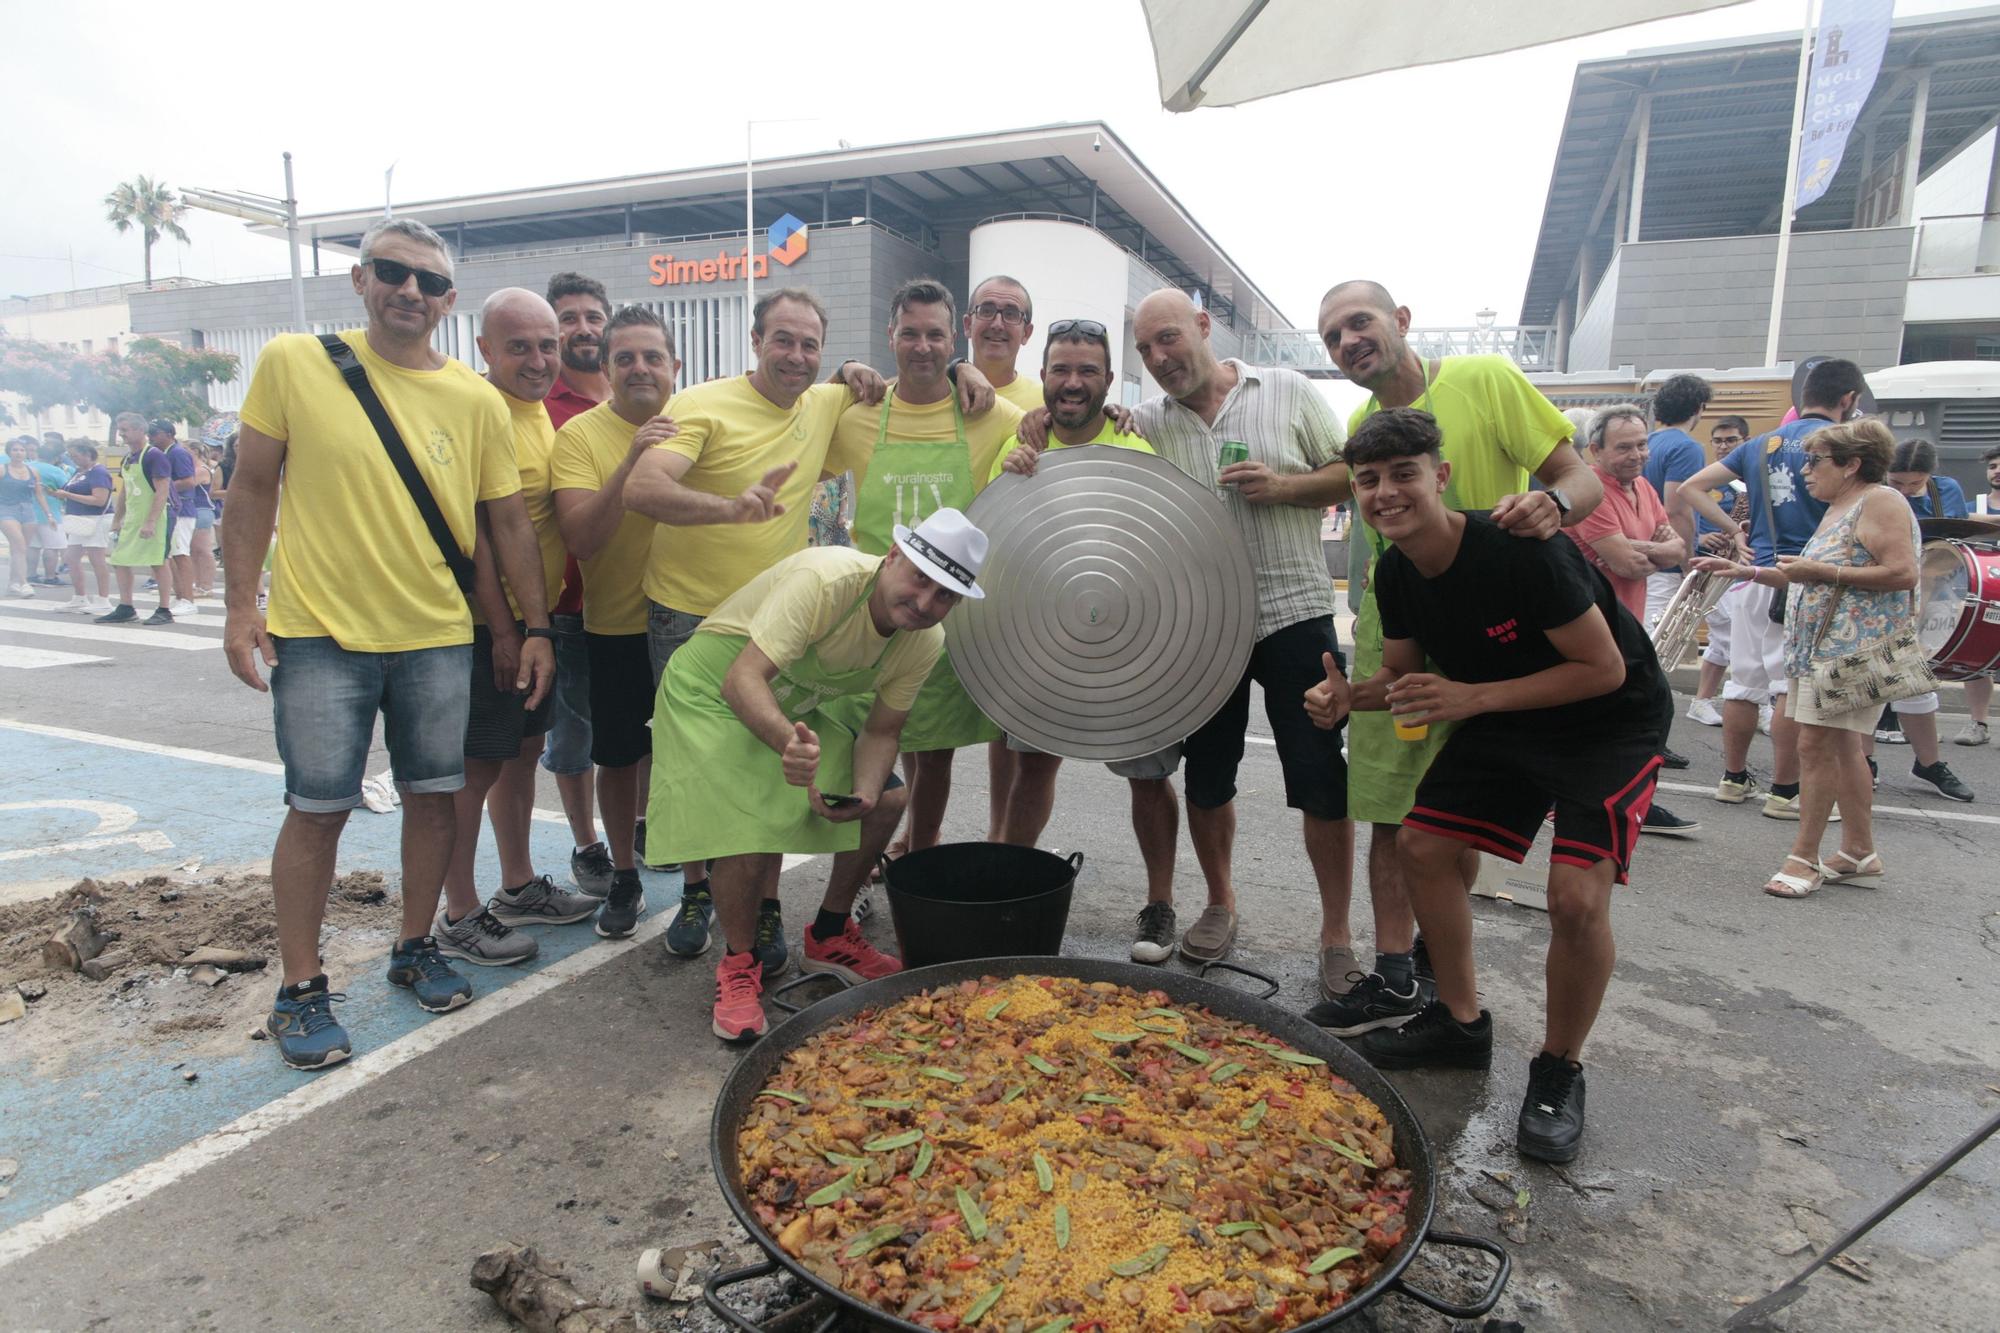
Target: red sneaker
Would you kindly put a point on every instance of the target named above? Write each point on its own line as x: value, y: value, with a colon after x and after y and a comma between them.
x: 739, y: 986
x: 848, y: 955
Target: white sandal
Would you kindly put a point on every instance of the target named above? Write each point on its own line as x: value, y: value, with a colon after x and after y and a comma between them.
x: 1782, y: 885
x: 1866, y: 872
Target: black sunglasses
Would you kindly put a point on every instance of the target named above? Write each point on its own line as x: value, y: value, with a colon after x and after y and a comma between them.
x: 395, y: 274
x: 1081, y: 328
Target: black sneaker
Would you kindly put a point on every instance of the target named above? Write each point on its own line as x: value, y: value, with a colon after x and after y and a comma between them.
x: 160, y: 616
x: 118, y: 615
x: 1948, y: 783
x: 1154, y: 942
x: 1551, y: 1125
x: 619, y: 916
x: 1432, y: 1040
x: 1370, y: 1005
x: 690, y: 930
x: 1661, y: 820
x: 1420, y: 963
x: 1668, y: 759
x: 770, y: 950
x: 590, y: 867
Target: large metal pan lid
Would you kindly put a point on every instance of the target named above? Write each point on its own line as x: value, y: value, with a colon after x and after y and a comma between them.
x: 1120, y: 605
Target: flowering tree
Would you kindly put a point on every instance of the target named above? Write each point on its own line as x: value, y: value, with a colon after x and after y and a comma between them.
x: 154, y: 378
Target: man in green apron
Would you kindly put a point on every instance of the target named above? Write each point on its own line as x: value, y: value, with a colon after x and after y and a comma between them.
x: 1498, y: 429
x: 776, y: 731
x: 915, y: 454
x: 141, y: 522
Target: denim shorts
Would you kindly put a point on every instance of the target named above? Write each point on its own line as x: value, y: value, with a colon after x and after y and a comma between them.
x: 204, y: 518
x: 666, y: 630
x: 1285, y: 663
x: 567, y: 752
x: 323, y: 703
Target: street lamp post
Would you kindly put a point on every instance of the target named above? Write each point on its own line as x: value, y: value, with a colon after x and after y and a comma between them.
x: 265, y: 211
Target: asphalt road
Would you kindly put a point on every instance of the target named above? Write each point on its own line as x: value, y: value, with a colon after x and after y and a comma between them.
x: 1764, y: 1072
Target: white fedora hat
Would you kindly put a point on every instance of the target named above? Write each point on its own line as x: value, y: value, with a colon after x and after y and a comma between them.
x: 948, y: 549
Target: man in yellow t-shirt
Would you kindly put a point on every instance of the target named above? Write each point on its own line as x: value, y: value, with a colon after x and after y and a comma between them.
x: 1498, y: 430
x: 594, y: 453
x: 521, y: 344
x: 777, y: 730
x: 365, y: 613
x: 914, y: 454
x: 999, y: 320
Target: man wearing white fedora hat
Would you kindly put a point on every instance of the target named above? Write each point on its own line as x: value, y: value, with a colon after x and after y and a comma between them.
x: 776, y: 730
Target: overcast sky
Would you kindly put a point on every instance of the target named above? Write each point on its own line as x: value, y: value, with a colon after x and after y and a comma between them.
x: 1431, y: 180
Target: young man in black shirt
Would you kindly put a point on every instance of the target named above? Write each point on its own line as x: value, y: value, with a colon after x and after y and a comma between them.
x: 1563, y: 705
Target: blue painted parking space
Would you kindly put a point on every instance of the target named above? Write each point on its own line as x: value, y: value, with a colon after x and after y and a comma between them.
x: 106, y: 1108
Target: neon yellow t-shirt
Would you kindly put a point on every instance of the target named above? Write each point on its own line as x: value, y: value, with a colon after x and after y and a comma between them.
x: 854, y: 438
x: 354, y: 560
x: 588, y: 449
x: 735, y: 435
x: 1023, y: 391
x: 534, y: 447
x: 798, y: 604
x: 1107, y: 434
x: 1497, y: 428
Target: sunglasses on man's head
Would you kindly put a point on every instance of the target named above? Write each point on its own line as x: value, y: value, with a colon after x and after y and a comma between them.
x: 395, y: 275
x: 1081, y: 328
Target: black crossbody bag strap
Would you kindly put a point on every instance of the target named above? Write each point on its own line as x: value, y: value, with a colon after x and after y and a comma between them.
x: 356, y: 375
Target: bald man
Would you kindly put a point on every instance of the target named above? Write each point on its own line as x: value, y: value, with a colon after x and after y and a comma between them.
x: 522, y: 346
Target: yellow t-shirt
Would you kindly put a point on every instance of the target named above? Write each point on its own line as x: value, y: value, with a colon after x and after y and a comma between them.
x: 854, y: 438
x: 1107, y: 434
x: 1023, y: 391
x: 534, y: 446
x: 735, y: 435
x: 799, y: 602
x: 354, y: 560
x: 588, y: 449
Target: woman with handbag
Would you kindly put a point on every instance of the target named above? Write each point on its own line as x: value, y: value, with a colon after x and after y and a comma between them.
x: 1850, y: 644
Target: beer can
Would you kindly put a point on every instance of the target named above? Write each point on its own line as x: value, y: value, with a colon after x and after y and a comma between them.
x: 1232, y: 451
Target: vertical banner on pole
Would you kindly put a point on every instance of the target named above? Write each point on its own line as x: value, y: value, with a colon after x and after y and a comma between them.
x: 1845, y: 61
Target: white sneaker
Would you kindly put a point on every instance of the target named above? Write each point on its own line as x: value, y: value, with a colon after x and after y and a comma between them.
x: 184, y: 607
x: 75, y: 605
x: 1764, y: 719
x: 99, y: 606
x: 1705, y: 712
x: 22, y: 590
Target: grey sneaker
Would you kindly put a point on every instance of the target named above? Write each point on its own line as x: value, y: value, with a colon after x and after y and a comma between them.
x: 1972, y: 733
x: 1154, y: 942
x: 416, y: 966
x: 483, y: 938
x: 1211, y: 935
x: 540, y: 903
x: 1339, y: 969
x: 590, y: 867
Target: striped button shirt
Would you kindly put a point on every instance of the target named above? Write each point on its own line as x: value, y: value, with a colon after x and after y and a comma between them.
x: 1288, y: 428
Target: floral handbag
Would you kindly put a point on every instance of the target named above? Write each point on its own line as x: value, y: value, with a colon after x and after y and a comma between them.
x: 1895, y: 668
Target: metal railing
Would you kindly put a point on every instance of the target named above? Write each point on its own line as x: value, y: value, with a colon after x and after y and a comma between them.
x: 1531, y: 347
x: 1957, y: 245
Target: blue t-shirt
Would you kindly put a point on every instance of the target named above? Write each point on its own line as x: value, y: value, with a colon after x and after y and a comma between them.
x: 1775, y: 463
x: 89, y: 480
x: 1951, y: 499
x: 1673, y: 455
x: 52, y: 478
x: 181, y: 462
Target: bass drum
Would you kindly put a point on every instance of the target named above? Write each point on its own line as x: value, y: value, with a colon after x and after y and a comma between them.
x: 1958, y: 608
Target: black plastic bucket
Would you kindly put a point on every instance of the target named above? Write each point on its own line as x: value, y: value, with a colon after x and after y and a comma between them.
x: 964, y: 900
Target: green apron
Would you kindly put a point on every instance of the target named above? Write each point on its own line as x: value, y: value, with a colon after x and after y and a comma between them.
x: 907, y: 482
x: 132, y: 549
x: 720, y: 791
x: 1383, y: 771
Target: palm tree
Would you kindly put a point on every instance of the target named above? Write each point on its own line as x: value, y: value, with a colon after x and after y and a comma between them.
x: 150, y: 206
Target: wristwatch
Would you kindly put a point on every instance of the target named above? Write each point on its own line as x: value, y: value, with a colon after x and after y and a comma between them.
x: 538, y: 632
x: 951, y: 368
x: 1562, y: 502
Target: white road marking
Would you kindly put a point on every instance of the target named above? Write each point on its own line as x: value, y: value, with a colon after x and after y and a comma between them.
x: 94, y: 1205
x: 28, y: 659
x: 1906, y: 811
x: 187, y: 643
x: 113, y: 821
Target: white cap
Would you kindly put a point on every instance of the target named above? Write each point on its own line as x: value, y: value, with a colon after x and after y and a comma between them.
x: 948, y: 548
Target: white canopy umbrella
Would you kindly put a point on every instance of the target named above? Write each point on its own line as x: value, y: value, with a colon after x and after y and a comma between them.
x: 1226, y: 52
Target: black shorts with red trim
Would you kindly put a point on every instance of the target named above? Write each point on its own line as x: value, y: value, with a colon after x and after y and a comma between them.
x: 1493, y: 787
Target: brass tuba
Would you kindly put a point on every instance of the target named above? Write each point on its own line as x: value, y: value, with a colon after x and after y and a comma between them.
x: 1674, y: 631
